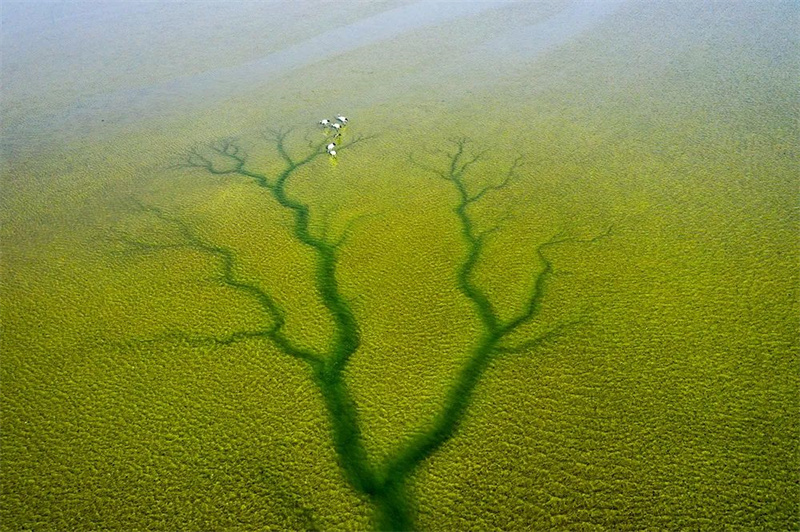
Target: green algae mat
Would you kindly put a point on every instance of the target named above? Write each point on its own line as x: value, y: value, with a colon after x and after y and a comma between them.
x: 548, y: 281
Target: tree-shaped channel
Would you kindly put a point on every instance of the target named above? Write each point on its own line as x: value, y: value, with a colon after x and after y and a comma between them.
x: 384, y: 484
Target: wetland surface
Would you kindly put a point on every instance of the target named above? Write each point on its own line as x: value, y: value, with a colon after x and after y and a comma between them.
x: 548, y: 282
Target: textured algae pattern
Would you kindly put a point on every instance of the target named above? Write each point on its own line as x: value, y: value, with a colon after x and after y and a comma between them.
x: 384, y: 484
x: 582, y: 315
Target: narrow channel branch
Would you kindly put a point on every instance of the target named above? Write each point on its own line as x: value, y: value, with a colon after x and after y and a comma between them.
x: 533, y: 343
x: 222, y: 157
x: 226, y: 260
x: 542, y: 276
x: 350, y: 227
x: 510, y: 174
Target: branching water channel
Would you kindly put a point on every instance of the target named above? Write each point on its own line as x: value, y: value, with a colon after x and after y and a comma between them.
x: 384, y: 484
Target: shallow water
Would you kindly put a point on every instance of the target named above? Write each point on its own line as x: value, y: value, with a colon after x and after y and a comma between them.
x: 107, y: 111
x: 135, y: 394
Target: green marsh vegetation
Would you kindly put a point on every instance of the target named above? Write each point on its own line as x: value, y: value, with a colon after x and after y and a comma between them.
x: 142, y: 381
x: 385, y: 484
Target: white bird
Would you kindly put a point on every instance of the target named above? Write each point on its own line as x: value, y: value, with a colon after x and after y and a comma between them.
x: 325, y: 122
x: 331, y: 146
x: 332, y: 153
x: 342, y: 119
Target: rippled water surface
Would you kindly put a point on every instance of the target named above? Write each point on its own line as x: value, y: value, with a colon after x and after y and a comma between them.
x: 548, y: 282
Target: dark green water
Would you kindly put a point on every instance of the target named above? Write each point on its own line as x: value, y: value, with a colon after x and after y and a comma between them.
x: 548, y: 282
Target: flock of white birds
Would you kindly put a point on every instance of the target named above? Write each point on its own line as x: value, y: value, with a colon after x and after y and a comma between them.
x: 337, y: 126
